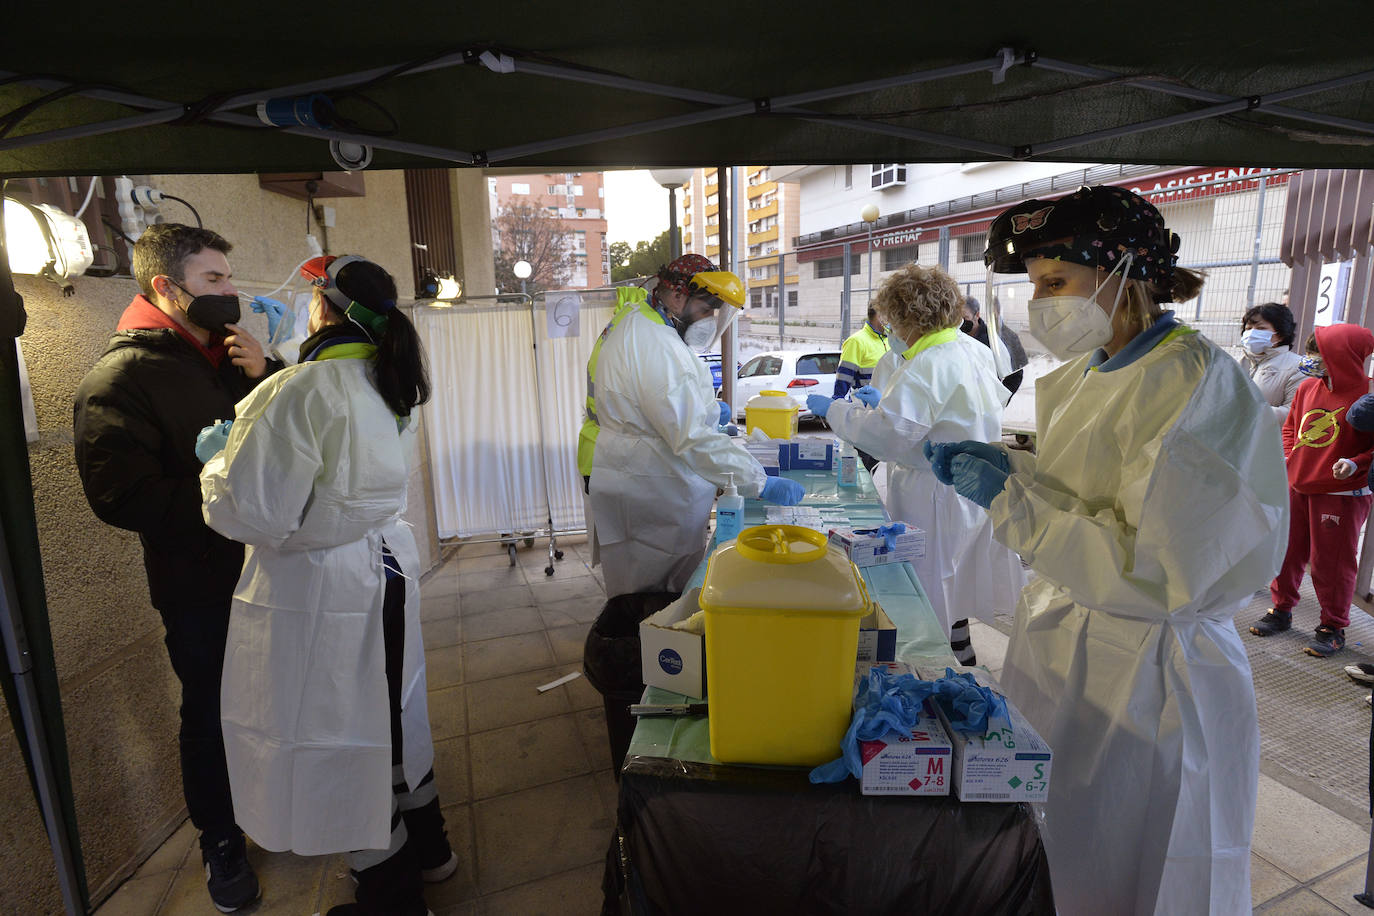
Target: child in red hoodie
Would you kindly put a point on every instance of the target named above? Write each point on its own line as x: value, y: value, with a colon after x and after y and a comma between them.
x: 1328, y: 495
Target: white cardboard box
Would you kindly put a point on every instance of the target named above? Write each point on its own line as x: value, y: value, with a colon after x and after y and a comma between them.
x: 918, y: 763
x: 1010, y: 763
x: 674, y: 659
x: 872, y: 550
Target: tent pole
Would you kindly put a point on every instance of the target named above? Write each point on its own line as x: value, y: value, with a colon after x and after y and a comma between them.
x: 1202, y: 95
x: 147, y: 119
x: 20, y: 667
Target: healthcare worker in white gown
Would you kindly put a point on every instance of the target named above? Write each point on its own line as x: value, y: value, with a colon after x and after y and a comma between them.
x: 324, y: 664
x: 1154, y: 509
x: 659, y: 454
x: 941, y: 387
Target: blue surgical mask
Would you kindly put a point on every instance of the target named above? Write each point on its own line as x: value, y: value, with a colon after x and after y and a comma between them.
x: 1312, y: 366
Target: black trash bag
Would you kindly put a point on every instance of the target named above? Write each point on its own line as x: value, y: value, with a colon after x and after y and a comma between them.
x: 610, y: 659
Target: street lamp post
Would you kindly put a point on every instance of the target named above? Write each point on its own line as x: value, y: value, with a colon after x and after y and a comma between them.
x: 869, y: 215
x: 522, y: 270
x: 672, y: 179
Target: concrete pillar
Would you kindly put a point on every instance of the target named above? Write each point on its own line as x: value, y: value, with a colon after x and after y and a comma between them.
x: 472, y: 232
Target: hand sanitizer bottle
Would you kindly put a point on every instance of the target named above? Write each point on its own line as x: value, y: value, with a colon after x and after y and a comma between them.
x: 729, y: 514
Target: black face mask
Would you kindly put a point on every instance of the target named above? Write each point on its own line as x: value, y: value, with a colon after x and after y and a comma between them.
x: 966, y: 327
x: 212, y: 312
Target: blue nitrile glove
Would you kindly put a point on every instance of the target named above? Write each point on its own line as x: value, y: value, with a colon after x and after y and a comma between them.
x: 783, y: 491
x: 212, y: 439
x: 940, y: 454
x: 274, y: 311
x: 724, y: 412
x: 867, y: 395
x: 977, y: 479
x: 818, y: 404
x: 888, y: 533
x: 887, y: 702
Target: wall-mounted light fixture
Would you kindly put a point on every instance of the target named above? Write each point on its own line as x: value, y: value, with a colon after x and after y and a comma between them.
x: 433, y: 286
x: 45, y: 242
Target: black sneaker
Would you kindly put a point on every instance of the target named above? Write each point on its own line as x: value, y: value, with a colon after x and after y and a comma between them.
x: 1326, y: 642
x: 228, y: 876
x: 1273, y: 622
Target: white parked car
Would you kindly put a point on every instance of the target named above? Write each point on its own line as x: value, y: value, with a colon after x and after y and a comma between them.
x: 798, y: 372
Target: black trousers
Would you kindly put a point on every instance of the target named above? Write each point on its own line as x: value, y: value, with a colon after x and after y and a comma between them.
x: 195, y: 639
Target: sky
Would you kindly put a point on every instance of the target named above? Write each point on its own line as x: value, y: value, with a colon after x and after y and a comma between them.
x: 636, y: 206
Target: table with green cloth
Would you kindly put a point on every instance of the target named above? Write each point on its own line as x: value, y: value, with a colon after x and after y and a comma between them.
x: 695, y: 835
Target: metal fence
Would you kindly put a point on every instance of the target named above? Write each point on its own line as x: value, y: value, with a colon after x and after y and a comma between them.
x: 1230, y: 228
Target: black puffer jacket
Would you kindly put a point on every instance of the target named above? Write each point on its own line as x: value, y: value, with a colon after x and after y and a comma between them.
x: 136, y: 417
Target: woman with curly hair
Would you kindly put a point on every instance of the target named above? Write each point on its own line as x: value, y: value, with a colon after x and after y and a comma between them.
x: 943, y: 388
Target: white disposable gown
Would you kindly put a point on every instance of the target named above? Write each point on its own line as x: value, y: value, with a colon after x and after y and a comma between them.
x: 1155, y: 509
x: 947, y: 392
x: 659, y: 458
x: 313, y: 479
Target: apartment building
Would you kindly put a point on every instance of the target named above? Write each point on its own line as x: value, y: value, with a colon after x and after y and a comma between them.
x: 770, y: 218
x: 578, y: 200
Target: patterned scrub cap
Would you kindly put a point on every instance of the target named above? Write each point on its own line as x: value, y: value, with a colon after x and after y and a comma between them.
x: 1093, y: 226
x: 681, y: 269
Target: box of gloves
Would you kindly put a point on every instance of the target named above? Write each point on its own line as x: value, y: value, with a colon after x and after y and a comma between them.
x: 1008, y: 763
x: 877, y: 636
x: 876, y: 546
x: 806, y: 455
x: 917, y: 762
x: 672, y: 647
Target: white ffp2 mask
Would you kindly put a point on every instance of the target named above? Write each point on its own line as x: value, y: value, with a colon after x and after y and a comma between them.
x: 1256, y: 340
x: 1069, y: 326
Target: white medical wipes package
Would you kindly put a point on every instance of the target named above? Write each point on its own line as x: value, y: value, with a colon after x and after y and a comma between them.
x: 868, y: 547
x: 898, y: 763
x: 1010, y: 763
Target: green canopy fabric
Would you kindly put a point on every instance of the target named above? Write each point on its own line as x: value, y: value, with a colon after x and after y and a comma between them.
x: 1078, y: 74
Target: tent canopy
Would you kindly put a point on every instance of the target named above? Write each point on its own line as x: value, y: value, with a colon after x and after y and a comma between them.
x: 603, y: 84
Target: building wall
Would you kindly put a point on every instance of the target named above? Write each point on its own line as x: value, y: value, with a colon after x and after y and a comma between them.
x: 582, y: 214
x: 119, y: 694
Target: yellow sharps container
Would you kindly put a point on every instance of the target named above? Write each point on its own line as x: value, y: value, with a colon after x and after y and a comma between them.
x: 782, y: 632
x: 774, y: 412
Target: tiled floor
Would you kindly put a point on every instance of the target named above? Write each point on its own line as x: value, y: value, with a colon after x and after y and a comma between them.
x: 526, y: 783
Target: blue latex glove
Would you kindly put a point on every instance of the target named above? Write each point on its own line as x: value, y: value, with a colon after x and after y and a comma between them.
x: 977, y: 479
x: 867, y: 395
x: 724, y: 412
x: 887, y: 702
x: 940, y: 454
x: 274, y: 311
x: 212, y: 439
x: 783, y: 491
x: 818, y: 404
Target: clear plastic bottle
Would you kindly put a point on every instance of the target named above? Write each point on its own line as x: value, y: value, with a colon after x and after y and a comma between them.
x: 847, y: 466
x: 729, y: 513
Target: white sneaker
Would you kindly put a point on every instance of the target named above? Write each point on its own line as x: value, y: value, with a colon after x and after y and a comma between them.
x: 1361, y: 673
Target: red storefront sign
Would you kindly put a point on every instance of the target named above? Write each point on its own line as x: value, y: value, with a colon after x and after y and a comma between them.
x: 1194, y: 183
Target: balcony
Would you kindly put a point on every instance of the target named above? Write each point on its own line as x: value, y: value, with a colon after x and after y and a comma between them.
x: 766, y: 235
x: 761, y: 212
x: 758, y: 190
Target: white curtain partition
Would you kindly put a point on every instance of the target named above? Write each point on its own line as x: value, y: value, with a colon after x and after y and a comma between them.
x: 507, y: 405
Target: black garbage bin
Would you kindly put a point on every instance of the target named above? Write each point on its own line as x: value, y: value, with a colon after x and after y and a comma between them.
x: 610, y: 659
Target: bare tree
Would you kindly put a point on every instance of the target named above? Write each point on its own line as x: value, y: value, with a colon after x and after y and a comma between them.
x: 528, y: 233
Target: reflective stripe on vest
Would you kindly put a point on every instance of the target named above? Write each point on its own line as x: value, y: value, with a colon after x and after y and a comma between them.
x: 628, y: 301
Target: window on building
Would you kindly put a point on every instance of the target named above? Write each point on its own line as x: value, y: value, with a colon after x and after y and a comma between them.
x: 897, y: 258
x: 848, y: 177
x: 581, y: 211
x: 713, y: 219
x: 581, y: 238
x: 756, y: 301
x: 755, y: 250
x: 834, y: 267
x: 600, y: 192
x: 971, y: 247
x: 520, y: 187
x: 577, y: 190
x: 553, y: 189
x: 791, y: 298
x: 886, y: 175
x: 713, y: 239
x: 712, y: 199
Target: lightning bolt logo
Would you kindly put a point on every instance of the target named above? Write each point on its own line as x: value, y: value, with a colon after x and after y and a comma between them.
x: 1319, y: 428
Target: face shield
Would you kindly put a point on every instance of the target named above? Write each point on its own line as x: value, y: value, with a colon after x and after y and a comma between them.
x: 715, y: 299
x: 992, y: 317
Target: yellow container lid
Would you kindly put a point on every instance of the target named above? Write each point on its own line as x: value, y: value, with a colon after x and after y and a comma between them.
x: 771, y: 400
x: 782, y: 568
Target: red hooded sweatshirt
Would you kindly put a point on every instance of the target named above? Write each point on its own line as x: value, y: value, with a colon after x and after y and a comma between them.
x: 143, y: 315
x: 1316, y: 434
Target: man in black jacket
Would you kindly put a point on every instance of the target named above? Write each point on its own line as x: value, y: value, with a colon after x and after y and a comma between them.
x: 177, y: 363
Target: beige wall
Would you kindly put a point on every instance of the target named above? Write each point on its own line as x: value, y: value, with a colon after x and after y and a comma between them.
x: 119, y: 694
